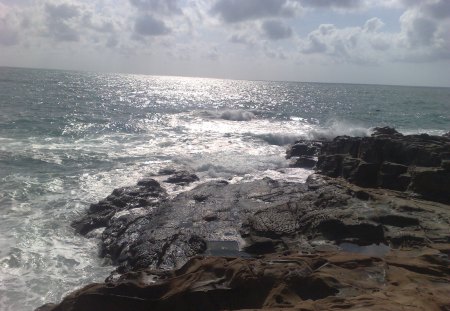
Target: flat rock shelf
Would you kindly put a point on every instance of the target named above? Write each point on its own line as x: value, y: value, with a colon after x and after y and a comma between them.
x: 369, y: 231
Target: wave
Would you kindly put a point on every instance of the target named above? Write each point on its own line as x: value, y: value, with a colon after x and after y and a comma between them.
x: 237, y: 115
x: 278, y: 139
x: 230, y: 115
x: 338, y: 128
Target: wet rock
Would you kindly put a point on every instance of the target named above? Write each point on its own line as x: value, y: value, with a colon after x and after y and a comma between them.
x: 386, y: 130
x: 274, y: 219
x: 303, y: 148
x: 167, y: 171
x: 182, y: 178
x: 145, y: 194
x: 304, y: 162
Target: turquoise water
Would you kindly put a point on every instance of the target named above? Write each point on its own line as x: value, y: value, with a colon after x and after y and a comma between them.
x: 68, y: 138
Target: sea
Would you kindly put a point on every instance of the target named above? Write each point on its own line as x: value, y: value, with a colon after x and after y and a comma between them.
x: 68, y: 138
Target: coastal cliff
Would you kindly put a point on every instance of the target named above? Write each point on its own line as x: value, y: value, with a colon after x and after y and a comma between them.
x: 369, y: 230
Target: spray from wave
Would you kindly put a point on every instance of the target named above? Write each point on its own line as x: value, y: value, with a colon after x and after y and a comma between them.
x: 336, y: 128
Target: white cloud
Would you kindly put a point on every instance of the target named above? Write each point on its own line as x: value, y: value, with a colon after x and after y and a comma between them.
x: 199, y: 33
x: 360, y: 45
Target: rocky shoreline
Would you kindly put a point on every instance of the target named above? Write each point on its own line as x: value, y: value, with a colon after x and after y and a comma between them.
x: 369, y: 230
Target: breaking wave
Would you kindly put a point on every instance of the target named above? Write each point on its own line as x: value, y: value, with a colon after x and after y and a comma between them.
x: 279, y: 139
x: 338, y: 128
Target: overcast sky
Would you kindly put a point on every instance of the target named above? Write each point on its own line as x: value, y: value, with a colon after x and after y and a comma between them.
x: 357, y: 41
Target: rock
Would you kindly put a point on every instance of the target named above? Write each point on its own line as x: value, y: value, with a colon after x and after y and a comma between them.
x: 167, y: 171
x: 386, y: 130
x: 447, y: 134
x: 431, y: 183
x: 328, y: 244
x: 326, y: 281
x: 389, y: 160
x: 182, y: 178
x: 304, y: 162
x: 145, y: 194
x: 303, y: 148
x: 365, y: 174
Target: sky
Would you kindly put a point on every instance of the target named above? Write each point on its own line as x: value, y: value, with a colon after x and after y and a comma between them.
x: 405, y: 42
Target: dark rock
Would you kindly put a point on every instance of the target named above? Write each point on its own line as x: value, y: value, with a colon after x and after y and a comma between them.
x: 386, y: 130
x: 389, y: 160
x: 432, y: 183
x: 446, y: 135
x: 325, y: 281
x: 304, y: 162
x: 167, y: 171
x: 210, y: 217
x: 272, y: 217
x: 395, y: 169
x: 330, y: 165
x: 145, y: 194
x: 148, y: 236
x: 365, y: 174
x: 303, y: 148
x: 182, y: 177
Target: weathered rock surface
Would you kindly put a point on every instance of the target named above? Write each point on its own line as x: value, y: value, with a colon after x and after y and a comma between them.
x: 182, y: 178
x: 412, y: 280
x: 388, y: 159
x: 362, y: 242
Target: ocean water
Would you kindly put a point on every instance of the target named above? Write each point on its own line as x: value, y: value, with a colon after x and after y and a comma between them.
x: 67, y: 139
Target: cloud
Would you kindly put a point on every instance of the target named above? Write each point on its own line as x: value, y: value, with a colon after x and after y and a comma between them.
x: 359, y: 45
x: 241, y: 39
x: 9, y: 29
x: 424, y: 31
x: 438, y: 9
x: 234, y: 11
x: 374, y: 24
x: 166, y: 7
x: 342, y: 4
x: 103, y: 26
x: 147, y: 25
x: 276, y: 30
x: 58, y: 21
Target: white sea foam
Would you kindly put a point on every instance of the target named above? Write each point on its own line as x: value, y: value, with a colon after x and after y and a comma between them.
x: 237, y: 115
x: 335, y: 128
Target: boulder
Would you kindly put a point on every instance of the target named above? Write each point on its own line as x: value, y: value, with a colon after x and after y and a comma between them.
x: 388, y: 159
x: 182, y: 178
x: 303, y: 148
x: 304, y: 162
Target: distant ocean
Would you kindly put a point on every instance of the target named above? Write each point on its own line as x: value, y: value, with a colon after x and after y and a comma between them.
x: 67, y: 139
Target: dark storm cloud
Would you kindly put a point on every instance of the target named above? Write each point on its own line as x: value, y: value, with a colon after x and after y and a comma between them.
x: 58, y: 21
x: 234, y: 11
x: 345, y: 4
x: 167, y: 7
x: 147, y: 25
x: 276, y: 30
